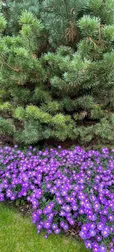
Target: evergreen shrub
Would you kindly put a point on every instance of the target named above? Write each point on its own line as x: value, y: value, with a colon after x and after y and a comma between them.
x: 56, y: 81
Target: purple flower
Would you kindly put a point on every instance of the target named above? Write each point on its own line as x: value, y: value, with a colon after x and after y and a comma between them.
x: 96, y: 206
x: 66, y: 208
x: 85, y: 227
x: 112, y: 249
x: 83, y: 235
x: 88, y: 244
x: 100, y: 226
x: 57, y: 231
x: 102, y: 248
x: 62, y: 213
x: 92, y: 233
x: 1, y: 197
x: 111, y: 217
x: 65, y: 227
x: 39, y: 227
x: 46, y: 236
x: 105, y: 232
x: 74, y: 207
x: 47, y: 225
x: 54, y: 226
x: 49, y: 231
x: 98, y: 238
x: 39, y: 211
x: 59, y: 200
x: 71, y: 221
x: 95, y: 249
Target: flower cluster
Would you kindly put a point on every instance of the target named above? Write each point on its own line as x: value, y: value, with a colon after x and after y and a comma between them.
x: 65, y: 187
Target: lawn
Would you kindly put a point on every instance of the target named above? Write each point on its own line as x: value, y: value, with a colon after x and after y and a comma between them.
x: 18, y: 234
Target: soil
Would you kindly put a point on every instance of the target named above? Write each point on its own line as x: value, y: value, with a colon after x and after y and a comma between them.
x: 25, y: 209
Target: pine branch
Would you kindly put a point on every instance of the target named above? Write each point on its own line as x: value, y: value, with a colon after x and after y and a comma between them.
x: 66, y: 6
x: 12, y: 68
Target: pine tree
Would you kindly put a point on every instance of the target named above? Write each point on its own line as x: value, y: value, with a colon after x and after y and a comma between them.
x: 62, y: 93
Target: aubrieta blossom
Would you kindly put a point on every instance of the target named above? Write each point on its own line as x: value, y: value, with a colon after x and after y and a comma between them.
x: 65, y: 188
x: 102, y: 248
x: 88, y: 244
x: 105, y: 232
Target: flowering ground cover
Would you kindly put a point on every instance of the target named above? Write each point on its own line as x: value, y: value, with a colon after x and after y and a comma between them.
x: 18, y: 234
x: 65, y: 188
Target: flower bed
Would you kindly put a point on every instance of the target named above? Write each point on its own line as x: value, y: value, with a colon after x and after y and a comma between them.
x: 65, y: 187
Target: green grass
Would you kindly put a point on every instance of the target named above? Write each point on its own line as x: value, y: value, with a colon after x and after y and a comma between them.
x: 18, y: 234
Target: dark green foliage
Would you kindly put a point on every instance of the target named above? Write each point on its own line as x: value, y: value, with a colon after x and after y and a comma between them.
x: 12, y: 10
x: 57, y: 72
